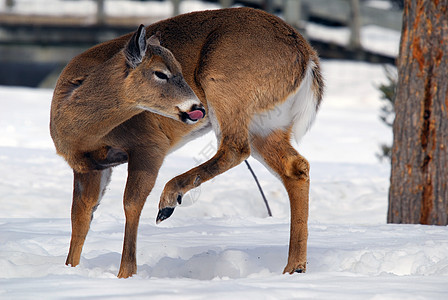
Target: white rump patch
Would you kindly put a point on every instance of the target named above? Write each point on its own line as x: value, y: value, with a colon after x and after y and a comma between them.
x: 299, y: 111
x: 105, y: 179
x: 304, y: 105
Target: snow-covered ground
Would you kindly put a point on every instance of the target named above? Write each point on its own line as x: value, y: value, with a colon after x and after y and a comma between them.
x: 221, y: 245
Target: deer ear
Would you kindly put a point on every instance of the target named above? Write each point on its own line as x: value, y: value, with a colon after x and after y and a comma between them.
x: 136, y: 47
x: 154, y: 40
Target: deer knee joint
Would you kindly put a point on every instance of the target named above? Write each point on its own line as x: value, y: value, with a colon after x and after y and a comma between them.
x: 235, y: 154
x: 244, y: 151
x: 299, y: 168
x: 241, y: 153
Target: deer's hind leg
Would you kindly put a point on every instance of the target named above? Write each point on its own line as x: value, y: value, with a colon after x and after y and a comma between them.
x: 276, y: 152
x: 233, y: 148
x: 88, y: 188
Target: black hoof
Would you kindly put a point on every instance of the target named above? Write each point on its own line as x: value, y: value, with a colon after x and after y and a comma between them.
x: 164, y: 214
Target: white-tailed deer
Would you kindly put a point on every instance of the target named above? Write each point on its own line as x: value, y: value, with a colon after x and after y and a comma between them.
x: 241, y: 72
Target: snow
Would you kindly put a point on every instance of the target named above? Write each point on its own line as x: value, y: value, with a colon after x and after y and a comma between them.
x: 220, y: 243
x: 380, y: 4
x: 374, y: 38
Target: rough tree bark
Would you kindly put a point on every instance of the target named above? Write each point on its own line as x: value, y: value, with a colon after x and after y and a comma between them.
x: 419, y: 178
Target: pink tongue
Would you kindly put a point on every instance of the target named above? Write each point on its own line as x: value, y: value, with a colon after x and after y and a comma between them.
x: 195, y: 115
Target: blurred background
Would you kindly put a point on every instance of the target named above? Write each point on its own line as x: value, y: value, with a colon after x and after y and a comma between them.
x: 39, y: 37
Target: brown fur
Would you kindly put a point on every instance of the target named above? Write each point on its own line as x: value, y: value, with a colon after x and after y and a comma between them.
x: 239, y: 63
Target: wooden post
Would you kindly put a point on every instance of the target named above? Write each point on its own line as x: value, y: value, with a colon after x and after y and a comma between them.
x: 100, y: 15
x: 226, y: 3
x: 269, y: 6
x: 176, y: 7
x: 292, y: 11
x: 9, y: 4
x: 355, y: 25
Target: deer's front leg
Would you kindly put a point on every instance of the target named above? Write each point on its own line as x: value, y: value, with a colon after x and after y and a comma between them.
x: 227, y: 157
x: 87, y: 190
x: 143, y: 168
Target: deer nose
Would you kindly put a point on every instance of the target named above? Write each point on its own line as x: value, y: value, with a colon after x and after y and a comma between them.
x: 194, y: 114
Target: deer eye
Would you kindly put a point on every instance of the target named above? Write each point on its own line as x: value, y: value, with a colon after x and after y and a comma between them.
x: 161, y: 75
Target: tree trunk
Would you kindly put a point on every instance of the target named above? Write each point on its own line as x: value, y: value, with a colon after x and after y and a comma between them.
x: 419, y: 178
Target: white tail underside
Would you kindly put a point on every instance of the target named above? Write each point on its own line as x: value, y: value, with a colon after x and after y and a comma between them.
x: 299, y: 110
x: 304, y: 106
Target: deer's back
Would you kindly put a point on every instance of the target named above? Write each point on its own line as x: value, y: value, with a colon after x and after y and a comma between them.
x: 247, y: 48
x: 243, y: 36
